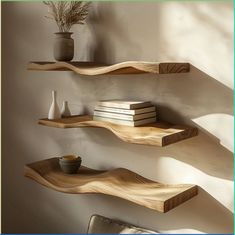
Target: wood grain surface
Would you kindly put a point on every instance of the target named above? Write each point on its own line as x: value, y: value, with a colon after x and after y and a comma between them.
x: 118, y: 182
x: 157, y: 134
x: 128, y: 67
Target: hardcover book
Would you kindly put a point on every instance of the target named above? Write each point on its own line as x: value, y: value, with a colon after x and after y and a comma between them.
x: 124, y: 104
x: 124, y: 116
x: 125, y: 111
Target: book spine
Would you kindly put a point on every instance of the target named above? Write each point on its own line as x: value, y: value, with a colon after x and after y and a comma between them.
x: 114, y: 105
x: 114, y: 121
x: 124, y: 116
x: 125, y: 111
x: 114, y: 115
x: 115, y: 110
x: 145, y: 121
x: 124, y: 105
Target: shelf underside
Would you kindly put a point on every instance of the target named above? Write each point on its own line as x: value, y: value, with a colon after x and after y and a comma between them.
x: 128, y: 67
x: 118, y: 182
x: 157, y: 134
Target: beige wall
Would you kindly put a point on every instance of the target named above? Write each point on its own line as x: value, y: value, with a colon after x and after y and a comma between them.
x: 198, y: 32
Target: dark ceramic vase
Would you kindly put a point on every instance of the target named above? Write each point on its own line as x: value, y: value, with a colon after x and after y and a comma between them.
x: 63, y: 46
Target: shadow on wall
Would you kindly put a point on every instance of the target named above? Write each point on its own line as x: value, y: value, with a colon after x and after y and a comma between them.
x: 197, y: 92
x: 200, y: 152
x: 197, y: 98
x: 191, y: 98
x: 203, y: 35
x: 104, y: 26
x: 203, y: 208
x: 179, y: 98
x: 201, y: 214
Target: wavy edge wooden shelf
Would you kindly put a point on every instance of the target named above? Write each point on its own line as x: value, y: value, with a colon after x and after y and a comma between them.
x: 157, y: 134
x: 128, y: 67
x: 118, y: 182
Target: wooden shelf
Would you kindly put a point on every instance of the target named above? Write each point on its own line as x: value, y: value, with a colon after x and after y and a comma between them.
x: 128, y: 67
x: 157, y: 134
x: 118, y: 182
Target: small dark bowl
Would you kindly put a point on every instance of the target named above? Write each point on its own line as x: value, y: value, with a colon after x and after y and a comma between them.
x: 70, y: 164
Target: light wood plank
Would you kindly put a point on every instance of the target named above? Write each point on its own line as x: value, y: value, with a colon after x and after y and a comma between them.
x: 128, y: 67
x: 157, y: 134
x: 118, y: 182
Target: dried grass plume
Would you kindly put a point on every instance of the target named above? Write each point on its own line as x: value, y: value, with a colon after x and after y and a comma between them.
x: 67, y: 13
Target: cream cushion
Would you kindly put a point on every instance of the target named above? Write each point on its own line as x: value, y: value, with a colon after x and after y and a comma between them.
x: 102, y: 225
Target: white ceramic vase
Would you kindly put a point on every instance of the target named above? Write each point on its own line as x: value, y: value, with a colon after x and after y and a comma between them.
x: 65, y: 112
x: 54, y: 111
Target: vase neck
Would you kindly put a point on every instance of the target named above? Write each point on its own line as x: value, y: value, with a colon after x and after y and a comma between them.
x: 54, y: 96
x: 63, y: 34
x: 65, y: 103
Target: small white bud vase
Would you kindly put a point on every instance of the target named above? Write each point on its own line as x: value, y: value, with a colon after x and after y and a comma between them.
x: 65, y: 112
x: 54, y: 111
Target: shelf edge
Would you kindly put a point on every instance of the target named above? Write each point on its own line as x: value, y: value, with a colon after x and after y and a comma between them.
x: 128, y: 67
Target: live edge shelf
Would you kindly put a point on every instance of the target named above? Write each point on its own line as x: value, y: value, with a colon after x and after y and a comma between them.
x: 118, y: 182
x: 157, y: 134
x: 128, y: 67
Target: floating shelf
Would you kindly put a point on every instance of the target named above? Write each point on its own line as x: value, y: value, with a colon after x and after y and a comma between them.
x: 128, y: 67
x: 118, y: 182
x: 157, y: 134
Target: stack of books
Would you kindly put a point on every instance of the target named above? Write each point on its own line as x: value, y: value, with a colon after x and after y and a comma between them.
x: 129, y: 113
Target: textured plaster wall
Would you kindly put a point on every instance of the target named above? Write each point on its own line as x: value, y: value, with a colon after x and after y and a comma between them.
x: 198, y: 32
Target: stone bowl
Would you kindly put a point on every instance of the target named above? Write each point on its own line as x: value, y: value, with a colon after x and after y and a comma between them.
x: 70, y: 164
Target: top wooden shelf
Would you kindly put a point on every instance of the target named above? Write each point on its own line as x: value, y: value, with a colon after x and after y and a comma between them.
x: 128, y: 67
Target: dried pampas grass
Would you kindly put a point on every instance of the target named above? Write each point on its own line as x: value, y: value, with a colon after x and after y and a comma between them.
x: 67, y: 13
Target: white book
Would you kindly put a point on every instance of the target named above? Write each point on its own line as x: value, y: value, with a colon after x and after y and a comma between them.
x: 125, y: 122
x: 125, y: 111
x: 124, y: 116
x: 124, y: 104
